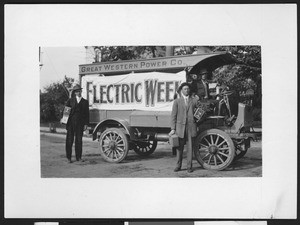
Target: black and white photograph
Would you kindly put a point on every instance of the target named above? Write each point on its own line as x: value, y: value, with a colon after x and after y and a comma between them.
x: 123, y: 114
x: 156, y: 111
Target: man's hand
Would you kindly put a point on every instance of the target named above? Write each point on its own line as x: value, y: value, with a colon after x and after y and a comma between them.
x: 85, y: 127
x: 172, y: 132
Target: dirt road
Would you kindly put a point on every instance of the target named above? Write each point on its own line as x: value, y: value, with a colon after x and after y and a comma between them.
x: 160, y: 164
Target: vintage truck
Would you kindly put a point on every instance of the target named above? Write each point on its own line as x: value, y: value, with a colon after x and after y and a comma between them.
x: 131, y: 101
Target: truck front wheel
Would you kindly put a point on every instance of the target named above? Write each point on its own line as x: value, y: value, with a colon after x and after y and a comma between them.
x: 113, y: 145
x: 214, y: 150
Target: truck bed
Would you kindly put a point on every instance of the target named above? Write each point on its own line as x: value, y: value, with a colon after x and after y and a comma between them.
x: 159, y: 119
x: 136, y: 118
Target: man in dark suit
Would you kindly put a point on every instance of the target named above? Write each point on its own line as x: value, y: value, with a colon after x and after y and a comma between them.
x: 77, y: 123
x: 200, y: 86
x: 183, y: 124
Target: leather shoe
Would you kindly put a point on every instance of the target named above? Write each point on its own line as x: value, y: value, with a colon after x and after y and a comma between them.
x: 177, y: 169
x: 69, y: 161
x: 190, y: 170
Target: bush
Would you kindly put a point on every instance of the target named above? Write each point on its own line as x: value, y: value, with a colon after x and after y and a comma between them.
x: 53, y: 99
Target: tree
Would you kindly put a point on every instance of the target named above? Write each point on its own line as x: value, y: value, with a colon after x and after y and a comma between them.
x: 53, y: 99
x: 244, y: 75
x: 115, y: 53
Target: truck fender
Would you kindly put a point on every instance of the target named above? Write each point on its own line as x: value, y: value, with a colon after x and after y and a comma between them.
x: 113, y: 122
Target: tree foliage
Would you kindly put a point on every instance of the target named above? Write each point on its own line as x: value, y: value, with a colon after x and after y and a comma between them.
x: 244, y: 75
x: 53, y: 98
x: 115, y: 53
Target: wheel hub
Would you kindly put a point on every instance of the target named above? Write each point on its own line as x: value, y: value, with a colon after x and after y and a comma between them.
x: 112, y: 145
x: 143, y: 144
x: 213, y: 149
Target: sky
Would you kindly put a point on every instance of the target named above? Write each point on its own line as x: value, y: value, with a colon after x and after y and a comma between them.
x: 60, y: 61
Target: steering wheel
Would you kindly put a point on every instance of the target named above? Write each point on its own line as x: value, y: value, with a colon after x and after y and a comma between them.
x: 225, y: 93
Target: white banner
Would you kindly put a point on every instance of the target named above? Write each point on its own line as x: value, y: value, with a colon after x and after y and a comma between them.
x: 141, y: 91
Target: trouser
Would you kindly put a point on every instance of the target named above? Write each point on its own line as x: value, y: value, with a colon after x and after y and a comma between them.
x: 189, y: 140
x: 74, y: 129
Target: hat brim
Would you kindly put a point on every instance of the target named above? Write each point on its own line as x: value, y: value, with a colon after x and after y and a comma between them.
x: 203, y: 73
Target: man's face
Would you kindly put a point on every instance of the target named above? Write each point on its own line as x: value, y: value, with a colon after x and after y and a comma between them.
x: 78, y: 93
x: 204, y: 76
x: 185, y: 90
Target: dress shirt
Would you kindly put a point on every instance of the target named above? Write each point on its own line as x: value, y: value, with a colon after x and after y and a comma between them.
x: 205, y: 83
x: 186, y: 100
x: 78, y: 99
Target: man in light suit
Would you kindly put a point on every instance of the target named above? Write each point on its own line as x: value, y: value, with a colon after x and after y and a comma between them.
x: 183, y: 124
x: 77, y: 122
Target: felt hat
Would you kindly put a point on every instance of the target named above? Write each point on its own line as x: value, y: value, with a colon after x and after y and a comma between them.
x: 203, y: 71
x: 76, y: 87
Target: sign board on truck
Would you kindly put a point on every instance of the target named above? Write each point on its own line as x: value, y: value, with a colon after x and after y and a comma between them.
x: 142, y: 91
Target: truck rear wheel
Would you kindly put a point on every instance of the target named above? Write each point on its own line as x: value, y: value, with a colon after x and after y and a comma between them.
x: 113, y: 145
x: 239, y: 154
x: 241, y: 147
x: 214, y: 149
x: 145, y: 148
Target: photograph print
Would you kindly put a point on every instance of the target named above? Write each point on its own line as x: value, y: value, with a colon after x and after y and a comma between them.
x: 151, y: 111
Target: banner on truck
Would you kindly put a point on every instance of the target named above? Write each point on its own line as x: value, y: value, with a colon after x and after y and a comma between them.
x: 140, y: 91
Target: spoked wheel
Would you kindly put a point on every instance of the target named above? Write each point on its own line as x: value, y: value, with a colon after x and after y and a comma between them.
x: 145, y: 148
x: 214, y: 149
x: 113, y: 145
x: 239, y: 153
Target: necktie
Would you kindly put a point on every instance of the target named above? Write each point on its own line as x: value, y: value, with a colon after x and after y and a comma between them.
x: 186, y: 101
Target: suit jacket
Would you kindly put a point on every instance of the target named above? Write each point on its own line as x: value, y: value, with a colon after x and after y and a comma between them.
x: 83, y: 107
x: 200, y: 89
x: 183, y: 116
